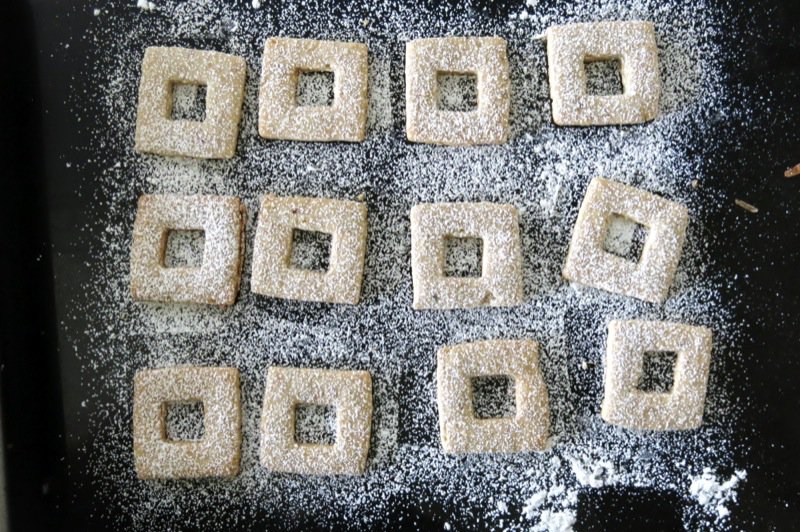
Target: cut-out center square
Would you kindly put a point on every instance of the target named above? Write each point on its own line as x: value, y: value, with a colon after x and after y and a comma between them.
x: 315, y: 88
x: 625, y: 238
x: 184, y: 248
x: 603, y: 77
x: 463, y: 257
x: 315, y: 424
x: 458, y: 91
x: 183, y: 421
x: 493, y: 397
x: 188, y: 102
x: 658, y: 371
x: 311, y: 250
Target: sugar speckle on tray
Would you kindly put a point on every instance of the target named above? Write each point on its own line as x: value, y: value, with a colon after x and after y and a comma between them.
x: 543, y: 170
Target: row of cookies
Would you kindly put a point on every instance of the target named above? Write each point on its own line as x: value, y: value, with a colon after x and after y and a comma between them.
x: 626, y: 403
x: 281, y: 116
x: 216, y: 279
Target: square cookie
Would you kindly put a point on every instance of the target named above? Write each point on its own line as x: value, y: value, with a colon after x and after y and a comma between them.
x: 349, y: 392
x: 681, y: 408
x: 216, y: 280
x: 222, y: 75
x: 589, y: 263
x: 460, y: 429
x: 217, y: 453
x: 273, y: 273
x: 279, y: 114
x: 496, y: 225
x: 632, y: 43
x: 483, y: 57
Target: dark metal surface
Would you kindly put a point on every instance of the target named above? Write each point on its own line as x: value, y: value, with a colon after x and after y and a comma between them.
x: 42, y: 266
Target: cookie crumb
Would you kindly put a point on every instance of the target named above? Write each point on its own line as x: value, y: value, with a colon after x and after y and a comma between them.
x: 746, y: 206
x: 793, y: 171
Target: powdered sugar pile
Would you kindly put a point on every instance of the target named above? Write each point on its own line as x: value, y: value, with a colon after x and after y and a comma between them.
x: 543, y: 171
x: 145, y: 5
x: 715, y: 495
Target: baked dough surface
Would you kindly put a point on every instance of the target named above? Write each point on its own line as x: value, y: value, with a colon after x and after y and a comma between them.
x: 280, y: 116
x: 679, y: 409
x: 216, y: 280
x: 460, y: 430
x: 485, y: 57
x: 349, y: 392
x: 213, y: 138
x: 497, y: 225
x: 633, y: 43
x: 588, y: 262
x: 345, y: 221
x: 217, y: 454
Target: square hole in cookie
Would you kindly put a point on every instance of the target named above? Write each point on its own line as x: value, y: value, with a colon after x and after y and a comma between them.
x: 603, y: 77
x: 315, y: 88
x: 188, y: 102
x: 183, y: 421
x: 658, y: 371
x: 458, y: 91
x: 311, y: 250
x: 315, y: 424
x: 493, y: 396
x: 463, y: 257
x: 625, y: 238
x: 184, y: 248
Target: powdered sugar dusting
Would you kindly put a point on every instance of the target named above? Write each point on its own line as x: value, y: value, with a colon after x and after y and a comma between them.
x: 543, y: 171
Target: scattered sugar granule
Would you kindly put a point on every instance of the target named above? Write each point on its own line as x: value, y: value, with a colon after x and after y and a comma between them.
x: 256, y: 4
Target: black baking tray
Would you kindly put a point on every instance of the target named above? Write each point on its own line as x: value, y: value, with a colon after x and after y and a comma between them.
x: 42, y: 265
